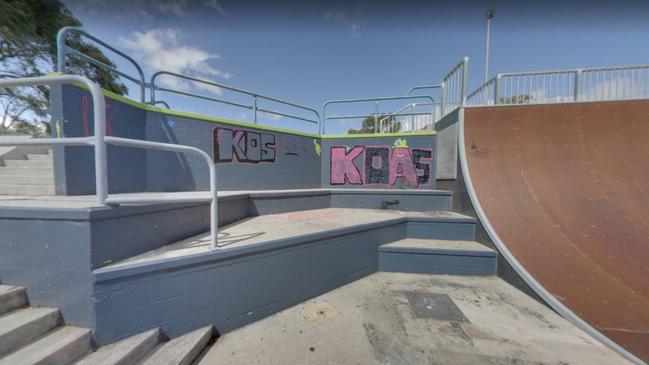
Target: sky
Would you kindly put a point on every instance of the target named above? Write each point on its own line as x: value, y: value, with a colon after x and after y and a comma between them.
x: 308, y: 52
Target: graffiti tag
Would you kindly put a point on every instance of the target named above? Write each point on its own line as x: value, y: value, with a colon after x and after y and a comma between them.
x: 381, y: 165
x: 236, y: 145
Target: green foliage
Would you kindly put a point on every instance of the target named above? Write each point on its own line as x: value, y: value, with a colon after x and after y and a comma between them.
x: 28, y: 31
x: 389, y: 124
x: 516, y: 99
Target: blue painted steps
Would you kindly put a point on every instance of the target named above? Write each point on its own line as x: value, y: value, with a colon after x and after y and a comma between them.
x: 435, y: 256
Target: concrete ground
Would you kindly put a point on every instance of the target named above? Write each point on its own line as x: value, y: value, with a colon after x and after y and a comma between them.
x: 393, y: 318
x: 274, y: 227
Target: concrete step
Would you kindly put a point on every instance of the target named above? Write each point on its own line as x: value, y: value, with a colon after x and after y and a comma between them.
x: 59, y: 347
x: 22, y: 326
x: 12, y: 297
x: 125, y: 352
x: 44, y: 163
x: 182, y: 350
x: 442, y: 226
x: 4, y: 170
x: 448, y: 257
x: 27, y: 179
x: 41, y: 156
x: 18, y: 189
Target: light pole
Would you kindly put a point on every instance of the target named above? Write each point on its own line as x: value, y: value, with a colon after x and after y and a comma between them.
x: 490, y: 14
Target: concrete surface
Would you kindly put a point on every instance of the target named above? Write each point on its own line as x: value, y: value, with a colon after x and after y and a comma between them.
x: 275, y: 227
x: 392, y: 318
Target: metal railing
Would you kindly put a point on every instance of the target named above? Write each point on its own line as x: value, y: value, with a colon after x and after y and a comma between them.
x: 560, y: 86
x: 255, y: 97
x: 63, y: 50
x: 454, y: 87
x: 377, y: 114
x: 413, y: 121
x: 99, y: 142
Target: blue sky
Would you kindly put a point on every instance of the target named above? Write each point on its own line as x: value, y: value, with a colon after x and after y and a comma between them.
x: 310, y: 52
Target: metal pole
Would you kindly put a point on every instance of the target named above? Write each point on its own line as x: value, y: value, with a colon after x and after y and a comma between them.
x: 577, y: 84
x: 377, y: 127
x: 490, y: 14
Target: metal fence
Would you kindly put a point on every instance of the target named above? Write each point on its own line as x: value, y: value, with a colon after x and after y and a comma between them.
x: 560, y: 86
x: 63, y: 51
x: 253, y: 106
x: 383, y: 121
x: 99, y: 142
x: 454, y: 87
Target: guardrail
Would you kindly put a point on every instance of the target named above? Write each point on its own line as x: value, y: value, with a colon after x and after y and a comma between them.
x: 558, y: 86
x: 416, y: 121
x: 454, y: 87
x: 63, y: 50
x: 255, y: 97
x: 377, y: 114
x: 99, y: 142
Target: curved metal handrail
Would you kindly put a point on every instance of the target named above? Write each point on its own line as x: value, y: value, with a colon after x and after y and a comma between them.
x: 62, y: 50
x: 99, y: 141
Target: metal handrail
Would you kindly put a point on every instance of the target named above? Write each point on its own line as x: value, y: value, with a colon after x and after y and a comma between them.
x: 376, y: 110
x: 412, y: 114
x: 99, y: 142
x: 62, y: 49
x: 423, y: 87
x: 253, y: 106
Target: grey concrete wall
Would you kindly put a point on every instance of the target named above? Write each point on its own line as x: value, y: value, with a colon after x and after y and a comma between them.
x: 248, y: 157
x: 405, y: 162
x: 261, y: 159
x: 50, y: 257
x: 75, y: 165
x: 230, y: 292
x: 447, y: 157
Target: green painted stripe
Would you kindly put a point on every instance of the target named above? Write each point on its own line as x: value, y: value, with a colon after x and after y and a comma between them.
x: 206, y: 118
x: 402, y: 134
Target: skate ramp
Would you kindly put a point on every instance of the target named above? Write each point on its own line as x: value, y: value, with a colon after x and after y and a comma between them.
x: 562, y: 191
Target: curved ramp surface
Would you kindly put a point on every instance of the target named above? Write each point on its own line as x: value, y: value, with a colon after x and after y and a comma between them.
x: 565, y: 188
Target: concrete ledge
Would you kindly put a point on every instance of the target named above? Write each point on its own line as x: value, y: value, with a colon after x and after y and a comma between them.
x: 437, y: 257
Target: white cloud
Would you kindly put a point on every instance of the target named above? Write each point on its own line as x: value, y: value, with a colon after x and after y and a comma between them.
x: 214, y: 4
x: 161, y: 49
x: 175, y: 7
x: 351, y: 18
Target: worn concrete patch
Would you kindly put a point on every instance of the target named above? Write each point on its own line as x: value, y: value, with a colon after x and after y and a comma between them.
x: 318, y: 312
x: 435, y: 306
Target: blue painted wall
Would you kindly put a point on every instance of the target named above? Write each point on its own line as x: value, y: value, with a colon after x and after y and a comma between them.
x: 248, y: 157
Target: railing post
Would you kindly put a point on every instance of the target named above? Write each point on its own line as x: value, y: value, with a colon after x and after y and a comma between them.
x: 254, y: 108
x: 377, y: 126
x: 465, y: 79
x: 442, y: 107
x: 60, y: 50
x: 497, y: 90
x: 577, y: 83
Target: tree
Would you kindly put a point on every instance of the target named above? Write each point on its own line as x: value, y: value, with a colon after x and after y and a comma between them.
x: 28, y: 31
x: 389, y: 124
x: 516, y: 99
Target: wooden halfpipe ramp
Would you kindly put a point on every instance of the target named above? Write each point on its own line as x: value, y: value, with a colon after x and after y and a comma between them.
x: 563, y: 192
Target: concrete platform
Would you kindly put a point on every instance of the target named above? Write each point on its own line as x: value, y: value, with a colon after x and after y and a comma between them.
x: 392, y: 318
x: 277, y: 227
x: 426, y: 256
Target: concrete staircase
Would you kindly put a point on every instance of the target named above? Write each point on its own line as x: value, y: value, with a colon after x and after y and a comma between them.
x: 30, y: 336
x: 27, y: 171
